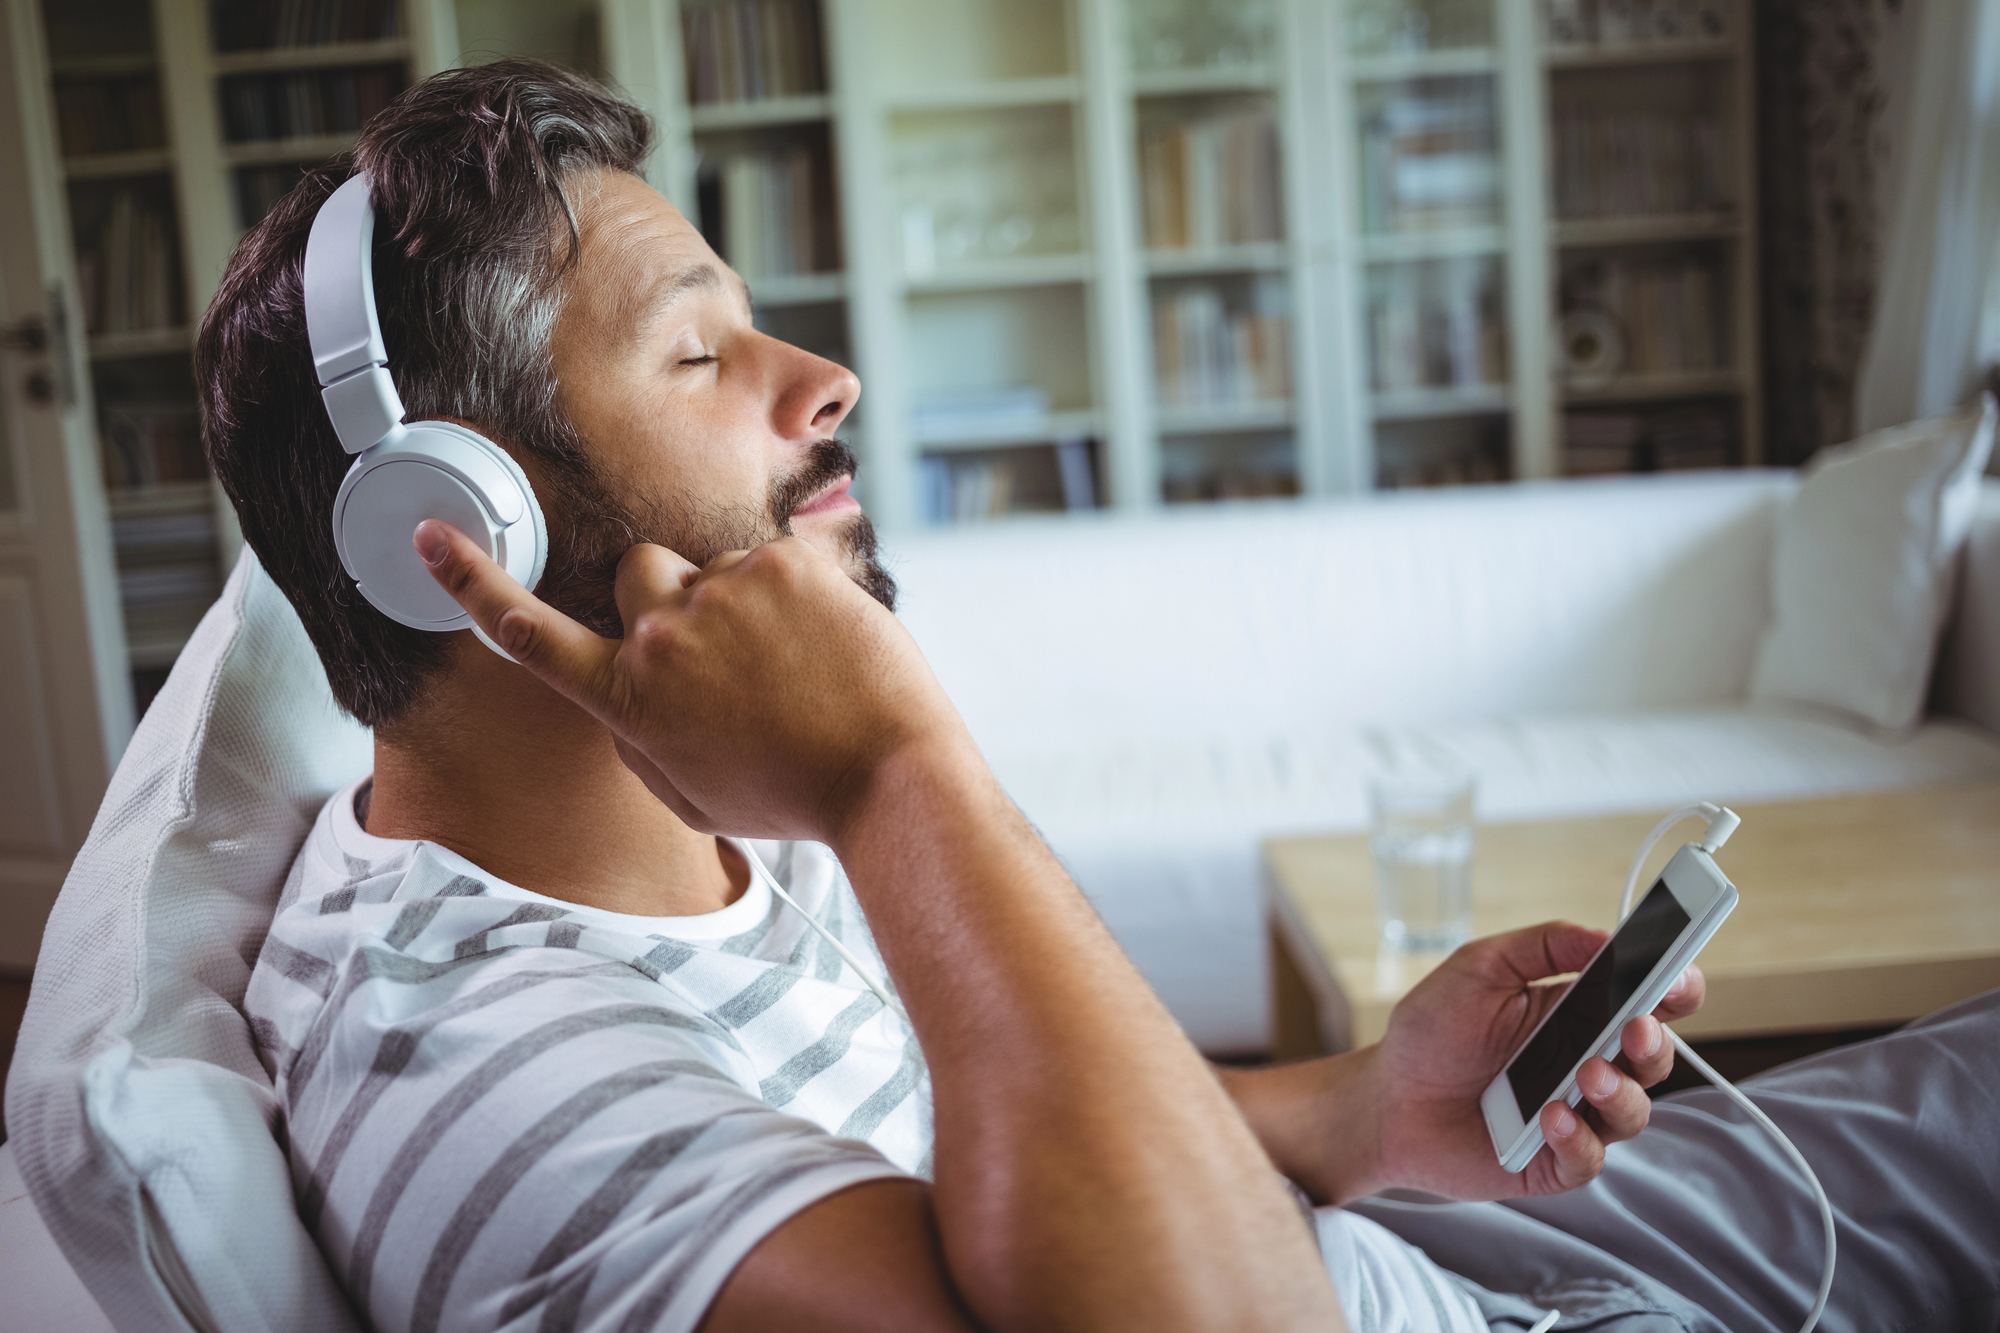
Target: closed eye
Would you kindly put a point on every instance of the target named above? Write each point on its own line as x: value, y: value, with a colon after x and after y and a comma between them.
x: 698, y: 360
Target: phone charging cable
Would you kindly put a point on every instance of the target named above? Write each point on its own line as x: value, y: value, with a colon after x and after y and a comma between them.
x: 1721, y: 823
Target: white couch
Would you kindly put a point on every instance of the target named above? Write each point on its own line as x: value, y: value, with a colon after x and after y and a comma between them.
x: 1160, y: 694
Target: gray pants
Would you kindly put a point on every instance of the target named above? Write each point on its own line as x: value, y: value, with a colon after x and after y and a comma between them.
x: 1700, y: 1224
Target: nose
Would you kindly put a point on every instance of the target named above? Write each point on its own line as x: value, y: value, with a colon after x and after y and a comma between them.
x: 815, y: 397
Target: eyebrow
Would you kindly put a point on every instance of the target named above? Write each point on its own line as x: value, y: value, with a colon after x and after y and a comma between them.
x: 671, y: 288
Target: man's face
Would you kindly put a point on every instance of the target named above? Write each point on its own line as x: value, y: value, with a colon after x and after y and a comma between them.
x: 701, y: 433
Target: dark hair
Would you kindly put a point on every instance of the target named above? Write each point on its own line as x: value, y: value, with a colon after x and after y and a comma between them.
x: 474, y: 233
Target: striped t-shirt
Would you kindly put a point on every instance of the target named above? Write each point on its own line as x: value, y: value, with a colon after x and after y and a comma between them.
x: 507, y: 1111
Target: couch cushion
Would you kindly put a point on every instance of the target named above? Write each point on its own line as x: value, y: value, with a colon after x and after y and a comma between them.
x: 1862, y: 574
x: 140, y: 1114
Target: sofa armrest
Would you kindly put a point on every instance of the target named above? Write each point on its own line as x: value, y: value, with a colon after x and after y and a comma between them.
x: 1968, y: 680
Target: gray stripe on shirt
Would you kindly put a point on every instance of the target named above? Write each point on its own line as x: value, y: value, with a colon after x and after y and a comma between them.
x: 594, y: 1216
x: 868, y: 1117
x: 520, y: 1157
x: 447, y: 1110
x: 393, y: 1053
x: 410, y: 922
x: 314, y: 973
x: 756, y: 997
x: 822, y: 1055
x: 644, y: 1315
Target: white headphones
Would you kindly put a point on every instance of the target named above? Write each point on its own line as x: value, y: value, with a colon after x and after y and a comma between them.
x: 404, y: 473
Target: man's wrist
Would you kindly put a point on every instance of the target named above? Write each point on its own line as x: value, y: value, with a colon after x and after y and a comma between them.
x: 918, y: 774
x: 1319, y: 1121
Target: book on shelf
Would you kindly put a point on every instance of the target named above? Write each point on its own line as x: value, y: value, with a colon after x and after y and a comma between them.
x: 1208, y: 356
x: 948, y: 415
x: 1699, y: 435
x: 1211, y: 181
x: 301, y: 103
x: 1636, y: 162
x: 770, y: 214
x: 1437, y: 324
x: 260, y: 25
x: 150, y: 445
x: 1429, y: 157
x: 1585, y: 23
x: 750, y: 50
x: 127, y: 268
x: 967, y: 488
x: 162, y: 536
x: 259, y: 188
x: 110, y: 115
x: 1668, y: 311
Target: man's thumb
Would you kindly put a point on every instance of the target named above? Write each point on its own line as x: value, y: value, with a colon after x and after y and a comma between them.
x: 533, y: 633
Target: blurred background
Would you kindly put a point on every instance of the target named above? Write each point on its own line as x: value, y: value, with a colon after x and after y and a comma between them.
x: 1115, y: 272
x: 1084, y: 254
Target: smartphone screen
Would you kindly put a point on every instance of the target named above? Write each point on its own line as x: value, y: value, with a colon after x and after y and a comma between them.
x: 1611, y: 980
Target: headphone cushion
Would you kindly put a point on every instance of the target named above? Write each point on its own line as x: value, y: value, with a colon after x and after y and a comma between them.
x: 439, y: 470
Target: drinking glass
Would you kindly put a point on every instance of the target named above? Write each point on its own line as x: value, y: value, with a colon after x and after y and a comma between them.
x: 1421, y: 837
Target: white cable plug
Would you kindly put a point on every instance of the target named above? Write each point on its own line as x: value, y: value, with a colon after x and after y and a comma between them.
x: 1722, y: 822
x: 846, y: 954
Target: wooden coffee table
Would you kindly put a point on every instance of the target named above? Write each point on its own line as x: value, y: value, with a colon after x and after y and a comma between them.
x: 1857, y: 911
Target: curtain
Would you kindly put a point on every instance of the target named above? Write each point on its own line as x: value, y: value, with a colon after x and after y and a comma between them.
x: 1820, y: 99
x: 1938, y: 199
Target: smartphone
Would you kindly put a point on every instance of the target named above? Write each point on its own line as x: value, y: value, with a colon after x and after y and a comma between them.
x: 1628, y: 977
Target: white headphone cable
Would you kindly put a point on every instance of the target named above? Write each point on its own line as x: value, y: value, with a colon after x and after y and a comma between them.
x: 1722, y: 822
x: 847, y: 955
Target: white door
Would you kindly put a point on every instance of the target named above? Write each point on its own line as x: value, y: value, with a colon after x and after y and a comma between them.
x: 65, y: 690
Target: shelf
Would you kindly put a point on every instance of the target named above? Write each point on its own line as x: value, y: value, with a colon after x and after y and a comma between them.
x: 139, y: 342
x: 1578, y: 232
x: 1025, y: 271
x: 1392, y: 246
x: 311, y: 57
x: 1224, y: 419
x: 305, y: 148
x: 765, y: 111
x: 1055, y: 427
x: 1424, y: 65
x: 1674, y: 384
x: 996, y: 93
x: 1412, y: 404
x: 798, y: 289
x: 1261, y: 257
x: 105, y: 166
x: 1642, y: 53
x: 1216, y: 79
x: 105, y: 66
x: 180, y: 497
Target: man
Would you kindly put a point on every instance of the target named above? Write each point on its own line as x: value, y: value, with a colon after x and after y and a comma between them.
x: 552, y: 1054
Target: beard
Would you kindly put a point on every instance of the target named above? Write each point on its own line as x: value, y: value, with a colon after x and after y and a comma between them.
x: 595, y: 530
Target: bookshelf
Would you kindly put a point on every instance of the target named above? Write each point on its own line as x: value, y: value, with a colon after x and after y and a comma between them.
x: 179, y: 123
x: 1084, y: 254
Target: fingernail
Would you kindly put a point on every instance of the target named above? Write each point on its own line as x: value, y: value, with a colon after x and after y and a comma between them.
x: 1602, y: 1081
x: 432, y: 544
x: 1565, y: 1122
x: 1680, y: 983
x: 1654, y: 1042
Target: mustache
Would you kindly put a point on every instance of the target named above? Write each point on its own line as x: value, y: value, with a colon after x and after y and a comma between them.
x: 828, y: 461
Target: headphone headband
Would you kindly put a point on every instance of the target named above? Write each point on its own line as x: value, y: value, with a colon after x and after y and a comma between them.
x: 349, y: 358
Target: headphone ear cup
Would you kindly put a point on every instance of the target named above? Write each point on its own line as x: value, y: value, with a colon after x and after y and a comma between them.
x: 434, y: 469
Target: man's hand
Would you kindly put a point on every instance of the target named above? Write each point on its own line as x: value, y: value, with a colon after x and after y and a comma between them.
x: 1405, y: 1112
x: 1458, y: 1027
x: 755, y: 697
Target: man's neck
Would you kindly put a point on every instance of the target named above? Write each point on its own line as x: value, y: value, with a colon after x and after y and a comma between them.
x: 510, y: 775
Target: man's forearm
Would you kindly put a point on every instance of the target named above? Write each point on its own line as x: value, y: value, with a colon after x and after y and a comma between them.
x: 1090, y: 1170
x: 1317, y: 1121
